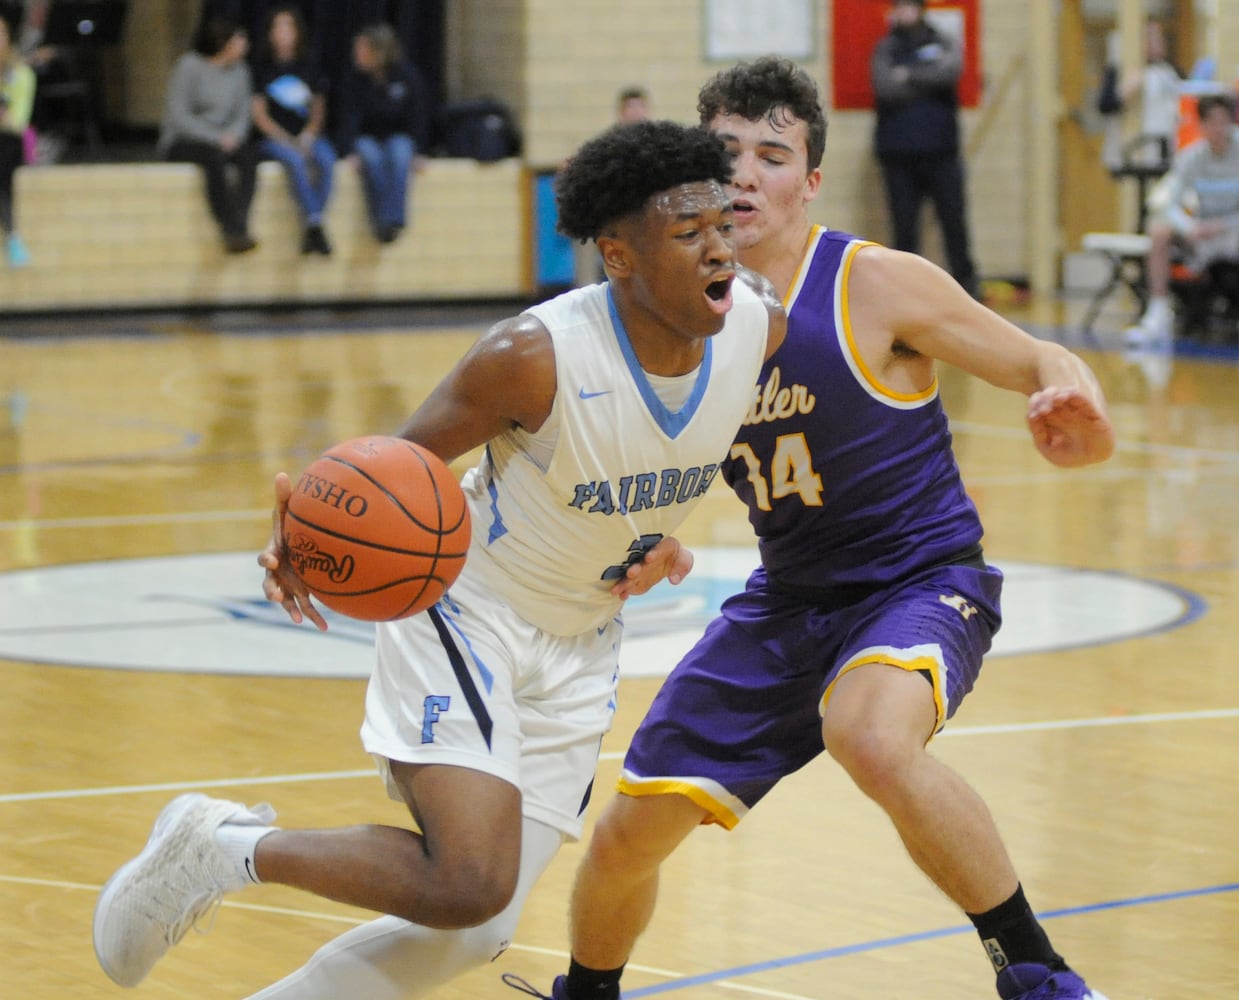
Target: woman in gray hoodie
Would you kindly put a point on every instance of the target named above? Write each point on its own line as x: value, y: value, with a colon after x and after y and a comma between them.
x: 207, y: 122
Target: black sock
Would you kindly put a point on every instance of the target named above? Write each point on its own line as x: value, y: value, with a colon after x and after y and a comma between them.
x: 1011, y: 934
x: 593, y: 984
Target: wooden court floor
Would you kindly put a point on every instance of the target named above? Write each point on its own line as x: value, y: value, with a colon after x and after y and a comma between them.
x: 1106, y: 741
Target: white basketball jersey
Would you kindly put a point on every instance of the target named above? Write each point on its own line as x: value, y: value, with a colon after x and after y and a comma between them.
x: 549, y: 522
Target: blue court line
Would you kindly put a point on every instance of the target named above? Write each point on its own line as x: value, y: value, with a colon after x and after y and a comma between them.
x: 895, y: 942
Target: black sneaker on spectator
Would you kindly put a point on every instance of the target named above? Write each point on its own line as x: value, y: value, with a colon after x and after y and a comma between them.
x: 239, y: 243
x: 316, y: 241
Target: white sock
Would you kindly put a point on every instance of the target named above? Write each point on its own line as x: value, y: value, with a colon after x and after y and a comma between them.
x: 239, y: 841
x: 1158, y: 309
x: 392, y: 959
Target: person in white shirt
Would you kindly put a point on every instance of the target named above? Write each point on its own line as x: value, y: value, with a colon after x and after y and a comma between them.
x: 605, y: 413
x: 1154, y: 89
x: 1201, y: 217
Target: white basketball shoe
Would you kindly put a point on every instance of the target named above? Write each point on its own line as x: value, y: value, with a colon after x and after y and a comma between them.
x: 180, y: 875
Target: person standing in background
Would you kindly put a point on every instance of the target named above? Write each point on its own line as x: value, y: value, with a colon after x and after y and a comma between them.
x: 915, y: 70
x: 207, y: 122
x: 1155, y: 88
x: 385, y: 118
x: 632, y: 105
x: 17, y: 87
x: 289, y: 111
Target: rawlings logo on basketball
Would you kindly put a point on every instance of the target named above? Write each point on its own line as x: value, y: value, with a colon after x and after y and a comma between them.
x: 325, y: 491
x: 378, y: 528
x: 306, y: 557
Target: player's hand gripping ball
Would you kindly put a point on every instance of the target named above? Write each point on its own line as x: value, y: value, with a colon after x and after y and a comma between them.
x: 377, y: 528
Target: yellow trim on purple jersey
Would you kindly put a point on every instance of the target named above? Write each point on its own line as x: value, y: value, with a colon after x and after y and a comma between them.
x: 853, y: 352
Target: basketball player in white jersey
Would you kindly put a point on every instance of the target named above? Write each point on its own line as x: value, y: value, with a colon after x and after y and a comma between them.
x: 605, y: 414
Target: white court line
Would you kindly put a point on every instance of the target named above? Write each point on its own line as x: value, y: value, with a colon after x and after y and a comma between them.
x: 121, y: 520
x: 1105, y: 720
x: 180, y: 786
x: 1100, y: 473
x: 279, y: 779
x: 340, y: 918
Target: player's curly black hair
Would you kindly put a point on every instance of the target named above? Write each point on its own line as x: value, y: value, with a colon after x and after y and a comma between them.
x: 617, y: 172
x: 770, y: 88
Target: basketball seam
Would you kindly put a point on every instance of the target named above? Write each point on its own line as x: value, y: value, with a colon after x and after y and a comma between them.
x: 437, y: 553
x: 439, y: 569
x: 392, y: 497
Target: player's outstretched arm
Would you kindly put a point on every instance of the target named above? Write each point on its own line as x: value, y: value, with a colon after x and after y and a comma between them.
x: 905, y: 307
x: 1067, y: 409
x: 280, y: 584
x: 668, y: 560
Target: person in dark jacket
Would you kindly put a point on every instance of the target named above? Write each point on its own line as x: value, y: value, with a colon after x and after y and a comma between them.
x: 385, y: 125
x: 915, y: 71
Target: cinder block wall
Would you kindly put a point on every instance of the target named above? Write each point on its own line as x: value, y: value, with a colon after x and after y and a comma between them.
x: 559, y: 63
x: 140, y: 235
x: 578, y: 56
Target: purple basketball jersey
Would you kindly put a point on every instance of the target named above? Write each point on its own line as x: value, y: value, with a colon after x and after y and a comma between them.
x: 870, y: 555
x: 857, y: 485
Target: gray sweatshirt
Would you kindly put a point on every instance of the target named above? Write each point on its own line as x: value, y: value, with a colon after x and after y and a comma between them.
x: 1211, y: 181
x: 206, y: 102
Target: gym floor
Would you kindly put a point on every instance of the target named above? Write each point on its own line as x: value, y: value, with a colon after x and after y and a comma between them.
x: 138, y: 660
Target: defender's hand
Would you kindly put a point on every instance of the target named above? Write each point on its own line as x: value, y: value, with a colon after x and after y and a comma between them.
x: 1069, y: 428
x: 667, y: 560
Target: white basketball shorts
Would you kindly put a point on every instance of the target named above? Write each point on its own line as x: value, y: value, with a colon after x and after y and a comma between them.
x: 471, y: 684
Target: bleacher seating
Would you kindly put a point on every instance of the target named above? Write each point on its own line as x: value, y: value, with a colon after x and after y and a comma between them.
x: 120, y: 235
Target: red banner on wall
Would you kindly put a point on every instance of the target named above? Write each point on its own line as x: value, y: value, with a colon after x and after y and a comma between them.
x: 856, y: 26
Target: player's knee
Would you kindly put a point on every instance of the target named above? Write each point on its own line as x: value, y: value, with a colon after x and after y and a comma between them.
x: 613, y: 844
x: 465, y: 894
x: 634, y: 835
x: 481, y: 896
x: 874, y: 758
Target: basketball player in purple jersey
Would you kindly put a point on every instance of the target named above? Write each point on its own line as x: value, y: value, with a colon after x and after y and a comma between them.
x: 865, y: 626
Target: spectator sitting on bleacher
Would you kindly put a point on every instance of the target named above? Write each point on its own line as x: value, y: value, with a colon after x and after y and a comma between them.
x: 1199, y: 212
x: 385, y: 125
x: 17, y: 86
x: 289, y: 111
x: 207, y: 122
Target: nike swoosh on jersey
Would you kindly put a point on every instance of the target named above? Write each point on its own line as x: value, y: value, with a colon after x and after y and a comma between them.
x: 590, y: 395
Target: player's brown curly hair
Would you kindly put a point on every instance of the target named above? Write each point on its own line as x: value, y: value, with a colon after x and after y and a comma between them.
x: 770, y: 88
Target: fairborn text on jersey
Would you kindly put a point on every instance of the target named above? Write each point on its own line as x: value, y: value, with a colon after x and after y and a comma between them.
x: 644, y: 491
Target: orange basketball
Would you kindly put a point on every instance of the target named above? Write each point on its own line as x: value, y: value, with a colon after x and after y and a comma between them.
x: 377, y: 528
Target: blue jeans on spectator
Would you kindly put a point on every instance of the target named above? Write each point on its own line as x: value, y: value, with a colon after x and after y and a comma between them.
x: 309, y: 175
x: 385, y: 166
